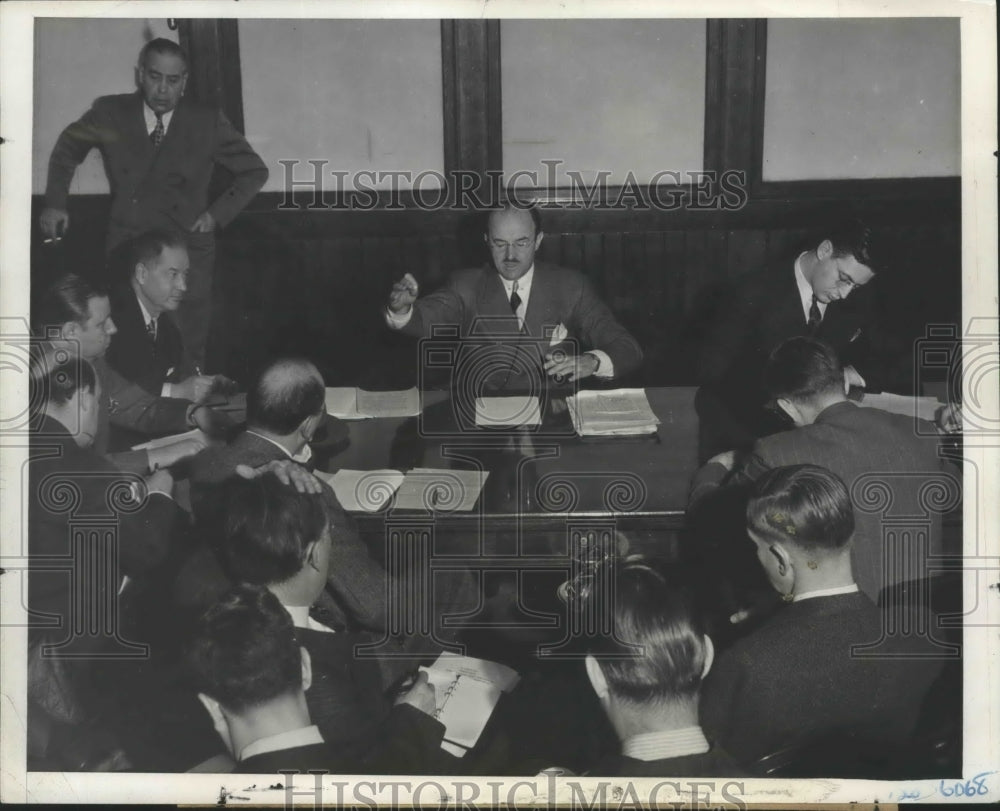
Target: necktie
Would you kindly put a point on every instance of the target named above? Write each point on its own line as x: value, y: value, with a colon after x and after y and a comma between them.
x: 151, y: 330
x: 156, y: 136
x: 515, y: 305
x: 814, y: 316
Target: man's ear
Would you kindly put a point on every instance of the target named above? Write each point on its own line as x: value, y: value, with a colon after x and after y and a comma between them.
x: 790, y: 409
x: 310, y: 557
x: 70, y: 331
x: 596, y: 676
x: 781, y: 557
x: 140, y: 272
x: 709, y: 655
x: 538, y: 239
x: 825, y: 249
x: 309, y: 426
x: 307, y: 670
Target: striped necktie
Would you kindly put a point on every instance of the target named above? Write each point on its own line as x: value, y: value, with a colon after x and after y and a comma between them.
x: 156, y: 136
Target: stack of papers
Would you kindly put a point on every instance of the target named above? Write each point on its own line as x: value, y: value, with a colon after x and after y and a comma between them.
x: 164, y: 441
x: 466, y: 691
x: 621, y: 412
x: 420, y: 489
x: 350, y: 403
x: 923, y: 407
x: 510, y: 412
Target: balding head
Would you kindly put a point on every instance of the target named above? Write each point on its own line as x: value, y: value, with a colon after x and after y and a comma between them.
x: 284, y: 395
x: 513, y: 235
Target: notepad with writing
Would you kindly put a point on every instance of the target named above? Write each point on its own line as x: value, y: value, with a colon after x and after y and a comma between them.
x: 466, y: 691
x: 440, y: 489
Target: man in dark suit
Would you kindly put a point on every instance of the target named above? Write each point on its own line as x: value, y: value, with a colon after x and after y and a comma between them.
x: 159, y: 150
x: 76, y: 316
x: 147, y: 348
x: 799, y: 677
x: 811, y: 295
x: 867, y: 448
x: 648, y: 675
x: 541, y: 316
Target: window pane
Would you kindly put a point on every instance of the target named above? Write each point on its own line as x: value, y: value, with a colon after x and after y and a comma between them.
x: 862, y: 99
x: 616, y: 95
x: 363, y: 95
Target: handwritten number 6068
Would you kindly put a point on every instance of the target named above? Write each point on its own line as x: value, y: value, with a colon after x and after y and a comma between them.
x: 973, y: 787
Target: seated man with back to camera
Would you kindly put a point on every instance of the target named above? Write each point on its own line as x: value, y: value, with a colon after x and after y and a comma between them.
x: 798, y: 678
x: 554, y: 323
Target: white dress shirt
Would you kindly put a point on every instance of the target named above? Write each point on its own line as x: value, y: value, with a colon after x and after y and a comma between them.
x: 301, y: 619
x: 806, y: 291
x: 294, y: 738
x: 669, y: 743
x: 808, y: 595
x: 301, y: 457
x: 150, y: 117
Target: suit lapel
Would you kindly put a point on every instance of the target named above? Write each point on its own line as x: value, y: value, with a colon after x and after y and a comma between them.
x: 134, y: 130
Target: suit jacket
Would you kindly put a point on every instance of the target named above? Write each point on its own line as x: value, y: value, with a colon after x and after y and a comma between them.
x: 762, y: 310
x: 853, y: 442
x: 164, y: 187
x: 70, y: 487
x: 358, y: 581
x: 474, y: 302
x: 134, y: 355
x: 128, y: 406
x: 795, y: 679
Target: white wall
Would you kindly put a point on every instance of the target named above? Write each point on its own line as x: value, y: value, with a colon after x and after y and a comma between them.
x: 75, y: 62
x: 862, y: 99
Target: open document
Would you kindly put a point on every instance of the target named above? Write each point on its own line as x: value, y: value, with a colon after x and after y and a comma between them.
x: 420, y: 489
x: 350, y: 403
x: 363, y: 490
x: 507, y: 412
x: 165, y: 441
x: 467, y: 690
x: 620, y: 412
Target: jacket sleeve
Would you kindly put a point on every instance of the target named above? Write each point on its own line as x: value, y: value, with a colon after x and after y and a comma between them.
x: 601, y: 330
x: 91, y: 130
x: 131, y: 406
x: 235, y: 154
x: 409, y: 742
x: 442, y: 307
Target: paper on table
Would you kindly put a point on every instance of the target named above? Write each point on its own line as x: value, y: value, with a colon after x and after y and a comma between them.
x: 389, y: 403
x: 363, y: 490
x: 164, y: 441
x: 342, y: 402
x: 923, y: 407
x: 492, y: 412
x: 467, y: 690
x: 444, y: 490
x: 620, y: 411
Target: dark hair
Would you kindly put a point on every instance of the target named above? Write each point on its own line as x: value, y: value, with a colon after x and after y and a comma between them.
x: 163, y: 47
x: 56, y: 375
x: 851, y: 237
x: 802, y: 368
x: 243, y: 652
x: 266, y: 528
x: 513, y: 205
x: 657, y: 649
x: 804, y: 505
x: 67, y: 298
x: 148, y: 246
x: 283, y: 394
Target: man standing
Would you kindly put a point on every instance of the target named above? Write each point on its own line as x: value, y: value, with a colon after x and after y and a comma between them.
x: 808, y: 296
x: 535, y: 306
x: 159, y: 151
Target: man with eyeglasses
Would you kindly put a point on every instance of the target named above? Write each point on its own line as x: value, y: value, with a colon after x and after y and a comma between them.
x: 546, y: 321
x: 813, y: 294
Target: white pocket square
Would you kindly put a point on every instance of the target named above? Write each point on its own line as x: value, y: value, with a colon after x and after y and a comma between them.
x: 559, y: 334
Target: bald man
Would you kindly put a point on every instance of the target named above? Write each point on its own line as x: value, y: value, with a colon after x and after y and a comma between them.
x: 548, y: 315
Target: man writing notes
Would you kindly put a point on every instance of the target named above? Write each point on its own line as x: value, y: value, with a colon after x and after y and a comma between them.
x: 159, y: 150
x: 542, y: 316
x: 812, y: 294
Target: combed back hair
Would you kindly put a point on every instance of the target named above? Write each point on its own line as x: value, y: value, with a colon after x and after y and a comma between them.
x: 851, y: 237
x: 147, y: 247
x: 56, y: 375
x: 66, y: 299
x: 283, y: 394
x: 803, y: 505
x: 163, y: 47
x: 802, y: 368
x: 266, y: 528
x: 243, y: 651
x: 510, y: 205
x: 657, y: 651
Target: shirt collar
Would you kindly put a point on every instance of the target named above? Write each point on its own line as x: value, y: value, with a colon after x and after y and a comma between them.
x: 668, y: 743
x: 145, y: 313
x: 292, y: 739
x: 523, y: 284
x: 301, y: 619
x: 805, y: 290
x: 301, y: 457
x: 808, y: 595
x: 150, y: 116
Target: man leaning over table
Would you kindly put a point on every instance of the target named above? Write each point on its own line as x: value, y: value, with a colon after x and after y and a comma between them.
x: 537, y: 306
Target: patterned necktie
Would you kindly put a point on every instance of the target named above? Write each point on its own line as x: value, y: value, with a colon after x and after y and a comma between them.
x: 156, y: 136
x: 814, y: 316
x: 151, y: 330
x: 515, y: 305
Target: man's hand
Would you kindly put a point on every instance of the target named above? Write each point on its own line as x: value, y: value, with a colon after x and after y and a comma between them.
x: 54, y: 222
x: 160, y: 481
x: 727, y: 459
x: 168, y: 455
x: 949, y: 418
x: 195, y: 388
x: 570, y: 367
x: 289, y: 473
x: 421, y: 695
x: 205, y: 224
x: 852, y: 378
x: 403, y: 294
x: 212, y: 422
